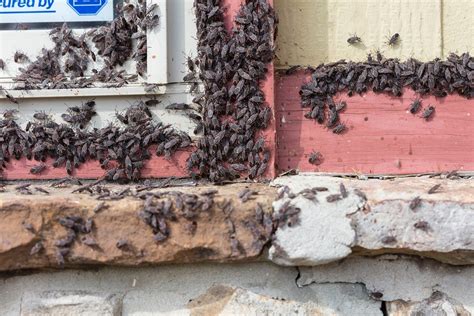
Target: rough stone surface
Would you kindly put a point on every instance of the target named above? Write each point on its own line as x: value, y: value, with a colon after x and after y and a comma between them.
x: 211, y: 241
x: 355, y: 286
x: 437, y: 304
x: 222, y: 300
x: 176, y: 289
x: 324, y: 235
x: 441, y: 227
x: 58, y: 303
x: 392, y: 278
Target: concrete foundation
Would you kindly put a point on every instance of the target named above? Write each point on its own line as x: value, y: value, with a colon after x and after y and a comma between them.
x: 394, y: 286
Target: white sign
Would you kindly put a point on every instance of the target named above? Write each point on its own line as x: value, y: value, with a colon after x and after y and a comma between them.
x: 53, y: 11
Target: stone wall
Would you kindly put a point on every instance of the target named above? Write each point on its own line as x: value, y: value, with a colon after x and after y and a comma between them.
x: 384, y: 286
x: 304, y: 245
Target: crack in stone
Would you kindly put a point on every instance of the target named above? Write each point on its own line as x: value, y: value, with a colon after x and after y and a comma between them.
x: 298, y: 276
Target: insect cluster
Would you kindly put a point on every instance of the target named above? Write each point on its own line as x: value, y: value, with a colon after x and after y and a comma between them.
x: 161, y: 207
x: 392, y: 40
x: 162, y: 211
x: 231, y: 69
x: 384, y: 75
x: 79, y: 116
x: 232, y: 108
x: 121, y: 151
x: 287, y: 214
x: 26, y: 189
x: 66, y: 64
x: 75, y: 226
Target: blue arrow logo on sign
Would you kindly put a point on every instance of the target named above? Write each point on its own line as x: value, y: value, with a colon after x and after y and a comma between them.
x: 87, y: 7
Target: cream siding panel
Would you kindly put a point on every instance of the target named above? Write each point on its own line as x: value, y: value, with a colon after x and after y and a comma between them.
x: 302, y: 33
x: 458, y: 26
x: 315, y: 31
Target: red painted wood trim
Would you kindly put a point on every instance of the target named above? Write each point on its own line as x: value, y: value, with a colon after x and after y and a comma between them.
x: 157, y: 167
x: 383, y: 138
x: 268, y: 88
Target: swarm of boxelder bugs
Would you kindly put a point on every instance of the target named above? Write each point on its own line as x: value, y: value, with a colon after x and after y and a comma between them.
x: 65, y: 65
x: 231, y: 69
x: 385, y: 75
x: 231, y: 89
x: 69, y: 146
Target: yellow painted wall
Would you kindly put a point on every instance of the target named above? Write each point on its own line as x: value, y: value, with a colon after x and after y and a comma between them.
x: 458, y: 26
x: 316, y: 31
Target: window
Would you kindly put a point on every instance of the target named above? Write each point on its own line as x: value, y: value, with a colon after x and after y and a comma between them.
x: 168, y: 44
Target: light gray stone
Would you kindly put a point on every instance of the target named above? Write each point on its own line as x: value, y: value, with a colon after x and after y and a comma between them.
x: 451, y: 226
x: 438, y: 304
x: 398, y: 278
x: 247, y: 303
x: 441, y: 227
x: 345, y: 299
x: 324, y: 234
x: 59, y: 303
x: 221, y: 300
x: 167, y: 290
x: 348, y: 287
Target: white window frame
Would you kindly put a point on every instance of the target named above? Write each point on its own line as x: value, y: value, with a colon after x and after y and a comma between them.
x: 157, y: 56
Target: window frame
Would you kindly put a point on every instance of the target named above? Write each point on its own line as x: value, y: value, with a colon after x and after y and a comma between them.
x: 157, y: 68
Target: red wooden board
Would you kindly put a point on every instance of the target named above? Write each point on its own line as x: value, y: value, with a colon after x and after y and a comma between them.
x: 270, y: 133
x: 383, y: 138
x: 268, y: 88
x: 157, y: 167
